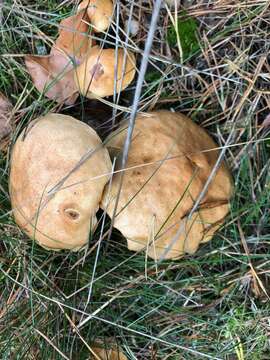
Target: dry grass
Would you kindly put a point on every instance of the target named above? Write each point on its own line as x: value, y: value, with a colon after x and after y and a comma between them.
x: 212, y: 305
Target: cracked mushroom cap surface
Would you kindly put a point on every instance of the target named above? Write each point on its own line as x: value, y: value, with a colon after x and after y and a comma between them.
x: 169, y: 162
x: 96, y: 76
x: 59, y: 168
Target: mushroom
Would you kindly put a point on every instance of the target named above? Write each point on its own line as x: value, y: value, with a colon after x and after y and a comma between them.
x: 59, y: 168
x: 96, y: 75
x: 111, y: 353
x: 99, y: 13
x: 169, y: 162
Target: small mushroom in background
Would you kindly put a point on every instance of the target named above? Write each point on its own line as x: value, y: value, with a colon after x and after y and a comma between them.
x: 59, y: 168
x: 96, y: 75
x: 99, y: 12
x: 112, y: 353
x: 169, y: 162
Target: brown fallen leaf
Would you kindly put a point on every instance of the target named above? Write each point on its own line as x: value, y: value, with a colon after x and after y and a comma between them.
x: 53, y: 74
x: 73, y: 37
x: 107, y: 354
x: 5, y: 112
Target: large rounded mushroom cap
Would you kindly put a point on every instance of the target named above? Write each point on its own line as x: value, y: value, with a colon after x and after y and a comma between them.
x: 59, y: 168
x: 170, y: 160
x: 96, y: 76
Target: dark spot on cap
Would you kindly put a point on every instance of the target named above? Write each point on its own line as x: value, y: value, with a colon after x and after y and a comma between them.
x: 97, y: 71
x: 146, y: 159
x: 72, y: 214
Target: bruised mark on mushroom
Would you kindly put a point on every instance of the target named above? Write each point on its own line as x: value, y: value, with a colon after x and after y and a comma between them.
x: 97, y: 71
x: 72, y: 214
x: 146, y: 159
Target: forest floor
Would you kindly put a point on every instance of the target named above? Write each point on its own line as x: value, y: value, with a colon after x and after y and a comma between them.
x: 214, y: 304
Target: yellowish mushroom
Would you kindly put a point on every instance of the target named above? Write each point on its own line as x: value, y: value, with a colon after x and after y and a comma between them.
x: 170, y: 160
x: 99, y: 12
x: 96, y: 76
x: 100, y: 353
x: 59, y: 168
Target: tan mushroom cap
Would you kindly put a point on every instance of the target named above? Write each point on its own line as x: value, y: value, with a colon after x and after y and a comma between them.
x: 96, y: 75
x: 107, y: 353
x: 168, y: 165
x: 55, y: 200
x: 99, y: 12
